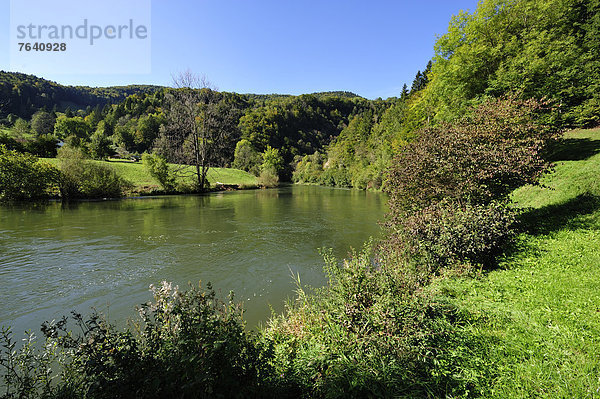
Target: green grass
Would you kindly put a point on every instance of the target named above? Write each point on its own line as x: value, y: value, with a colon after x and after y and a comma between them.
x: 539, y: 312
x: 136, y: 173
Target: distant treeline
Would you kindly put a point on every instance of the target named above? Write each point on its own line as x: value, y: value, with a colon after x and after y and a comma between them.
x: 22, y: 95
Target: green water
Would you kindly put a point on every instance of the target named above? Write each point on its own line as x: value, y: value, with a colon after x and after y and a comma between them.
x: 56, y: 258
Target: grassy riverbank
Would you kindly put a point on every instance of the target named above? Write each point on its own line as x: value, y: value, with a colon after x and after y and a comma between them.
x: 137, y: 174
x: 539, y: 312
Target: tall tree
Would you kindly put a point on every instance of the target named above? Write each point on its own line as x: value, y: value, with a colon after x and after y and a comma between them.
x: 42, y: 122
x: 195, y: 131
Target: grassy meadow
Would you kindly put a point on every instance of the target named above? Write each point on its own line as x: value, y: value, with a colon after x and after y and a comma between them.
x: 137, y: 174
x: 537, y: 316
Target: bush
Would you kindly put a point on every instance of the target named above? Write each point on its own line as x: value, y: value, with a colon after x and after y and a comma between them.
x: 448, y: 234
x: 370, y: 333
x: 185, y: 344
x: 268, y: 178
x: 24, y: 177
x: 449, y: 188
x: 83, y: 178
x: 159, y: 170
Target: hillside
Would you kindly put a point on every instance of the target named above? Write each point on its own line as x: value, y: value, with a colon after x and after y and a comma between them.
x: 535, y: 321
x: 22, y: 95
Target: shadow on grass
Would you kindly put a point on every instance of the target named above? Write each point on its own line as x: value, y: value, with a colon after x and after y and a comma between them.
x: 551, y: 218
x: 574, y: 149
x: 556, y: 217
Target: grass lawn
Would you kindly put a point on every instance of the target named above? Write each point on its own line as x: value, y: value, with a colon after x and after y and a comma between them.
x: 539, y: 312
x: 136, y: 173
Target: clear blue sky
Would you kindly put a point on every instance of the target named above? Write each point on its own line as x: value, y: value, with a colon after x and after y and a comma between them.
x: 280, y: 46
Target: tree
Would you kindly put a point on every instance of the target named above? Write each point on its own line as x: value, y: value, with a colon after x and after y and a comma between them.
x: 246, y: 157
x: 404, y: 92
x: 42, y: 122
x: 21, y: 128
x: 100, y: 146
x: 66, y: 127
x: 271, y: 167
x: 272, y: 160
x: 195, y: 132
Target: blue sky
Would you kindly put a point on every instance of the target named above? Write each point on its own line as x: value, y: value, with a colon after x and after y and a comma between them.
x: 277, y: 46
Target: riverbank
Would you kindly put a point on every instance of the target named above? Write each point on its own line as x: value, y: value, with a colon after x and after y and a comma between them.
x: 536, y: 318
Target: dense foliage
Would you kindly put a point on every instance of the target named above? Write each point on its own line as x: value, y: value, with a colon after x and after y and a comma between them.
x: 449, y: 187
x: 24, y: 177
x: 540, y: 48
x: 81, y: 177
x: 186, y: 344
x: 23, y: 95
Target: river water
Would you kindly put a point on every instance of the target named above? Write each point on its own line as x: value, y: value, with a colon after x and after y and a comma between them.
x: 55, y: 258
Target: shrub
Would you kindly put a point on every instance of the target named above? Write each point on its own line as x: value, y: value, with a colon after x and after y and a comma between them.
x: 448, y: 234
x: 450, y: 186
x: 27, y: 370
x: 24, y: 177
x: 159, y: 170
x: 268, y: 178
x: 369, y: 333
x: 83, y: 178
x: 186, y: 344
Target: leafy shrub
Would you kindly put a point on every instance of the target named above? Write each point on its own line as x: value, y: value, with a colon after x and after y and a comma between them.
x: 185, y: 344
x: 83, y: 178
x: 246, y: 157
x: 268, y: 177
x: 27, y: 370
x: 448, y: 234
x: 370, y: 333
x: 450, y: 186
x: 24, y: 177
x: 159, y: 170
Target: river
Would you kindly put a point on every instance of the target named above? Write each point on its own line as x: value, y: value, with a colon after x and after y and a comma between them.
x: 55, y: 257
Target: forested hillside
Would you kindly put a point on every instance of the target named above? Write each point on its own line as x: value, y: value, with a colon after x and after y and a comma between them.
x: 22, y: 95
x: 126, y: 121
x: 543, y: 49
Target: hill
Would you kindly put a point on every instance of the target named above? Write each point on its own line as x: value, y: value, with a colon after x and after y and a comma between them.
x: 22, y: 95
